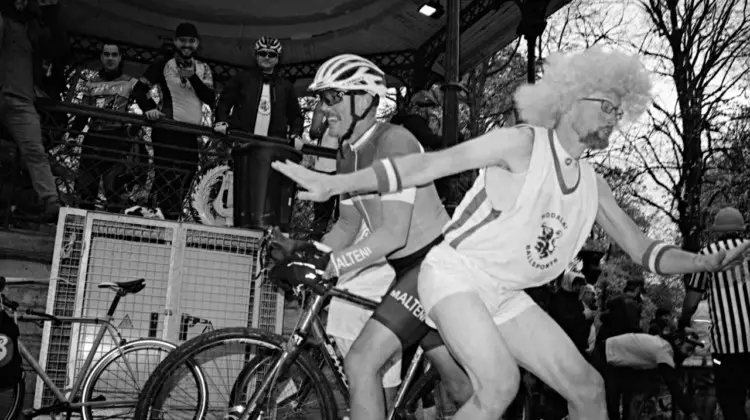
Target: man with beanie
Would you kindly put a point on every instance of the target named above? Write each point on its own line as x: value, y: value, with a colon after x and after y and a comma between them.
x: 186, y: 84
x: 729, y: 305
x: 20, y: 72
x: 264, y: 103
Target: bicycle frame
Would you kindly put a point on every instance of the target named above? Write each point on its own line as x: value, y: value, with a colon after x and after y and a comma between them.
x: 78, y: 383
x: 309, y: 324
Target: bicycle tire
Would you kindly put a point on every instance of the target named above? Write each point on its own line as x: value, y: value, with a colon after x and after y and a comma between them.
x: 520, y: 408
x: 188, y: 350
x: 112, y: 358
x: 243, y: 379
x: 16, y: 400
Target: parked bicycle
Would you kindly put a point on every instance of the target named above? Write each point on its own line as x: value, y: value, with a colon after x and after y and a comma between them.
x: 108, y: 388
x: 274, y: 377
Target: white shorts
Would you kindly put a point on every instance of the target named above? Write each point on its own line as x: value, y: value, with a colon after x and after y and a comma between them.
x: 446, y: 272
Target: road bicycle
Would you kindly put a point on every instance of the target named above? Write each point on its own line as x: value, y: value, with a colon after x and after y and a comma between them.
x: 108, y: 388
x: 277, y: 377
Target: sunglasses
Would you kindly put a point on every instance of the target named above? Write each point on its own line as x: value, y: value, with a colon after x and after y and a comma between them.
x: 267, y: 54
x: 331, y: 97
x: 608, y: 107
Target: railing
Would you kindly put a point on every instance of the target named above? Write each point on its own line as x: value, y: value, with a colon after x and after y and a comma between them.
x: 115, y: 170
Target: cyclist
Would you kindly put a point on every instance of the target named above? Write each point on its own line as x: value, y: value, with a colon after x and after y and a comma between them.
x: 404, y: 226
x: 527, y: 215
x: 619, y: 359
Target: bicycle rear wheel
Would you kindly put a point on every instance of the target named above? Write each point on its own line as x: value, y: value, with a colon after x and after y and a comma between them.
x: 112, y: 387
x: 233, y: 362
x: 11, y: 400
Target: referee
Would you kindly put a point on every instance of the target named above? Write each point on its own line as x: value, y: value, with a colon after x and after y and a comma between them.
x: 729, y: 303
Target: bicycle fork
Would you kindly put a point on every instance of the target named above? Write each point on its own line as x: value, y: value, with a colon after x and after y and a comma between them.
x: 290, y: 351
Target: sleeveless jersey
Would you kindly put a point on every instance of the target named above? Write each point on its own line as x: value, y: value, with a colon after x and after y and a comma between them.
x: 428, y: 214
x: 541, y: 228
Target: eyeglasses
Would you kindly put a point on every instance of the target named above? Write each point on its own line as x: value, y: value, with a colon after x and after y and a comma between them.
x: 331, y: 97
x: 608, y: 107
x: 267, y: 54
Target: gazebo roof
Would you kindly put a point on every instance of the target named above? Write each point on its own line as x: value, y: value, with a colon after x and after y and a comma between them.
x: 310, y: 30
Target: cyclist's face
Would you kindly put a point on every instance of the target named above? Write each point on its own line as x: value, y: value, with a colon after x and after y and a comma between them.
x: 336, y: 106
x: 267, y: 60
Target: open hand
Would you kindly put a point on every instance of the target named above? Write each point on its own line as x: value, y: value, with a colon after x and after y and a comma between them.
x: 318, y: 185
x: 724, y: 260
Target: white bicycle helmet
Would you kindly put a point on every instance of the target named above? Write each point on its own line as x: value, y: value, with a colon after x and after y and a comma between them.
x: 349, y: 72
x: 267, y: 43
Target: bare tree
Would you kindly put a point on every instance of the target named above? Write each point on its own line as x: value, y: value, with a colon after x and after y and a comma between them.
x: 702, y: 47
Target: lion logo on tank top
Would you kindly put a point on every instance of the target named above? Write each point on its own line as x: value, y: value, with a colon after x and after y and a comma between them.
x: 541, y: 254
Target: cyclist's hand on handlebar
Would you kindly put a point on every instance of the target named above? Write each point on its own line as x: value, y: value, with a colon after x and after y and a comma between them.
x: 282, y: 247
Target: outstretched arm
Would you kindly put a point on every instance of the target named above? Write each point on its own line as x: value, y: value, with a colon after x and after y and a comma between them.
x: 502, y: 146
x: 656, y: 256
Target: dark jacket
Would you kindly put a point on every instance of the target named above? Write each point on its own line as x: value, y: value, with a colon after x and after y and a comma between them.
x: 243, y: 93
x: 623, y: 316
x: 47, y: 37
x: 567, y: 309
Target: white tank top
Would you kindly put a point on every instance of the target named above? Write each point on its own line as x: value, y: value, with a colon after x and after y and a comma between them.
x: 524, y: 229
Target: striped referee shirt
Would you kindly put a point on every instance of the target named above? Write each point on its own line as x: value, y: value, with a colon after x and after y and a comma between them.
x: 729, y: 301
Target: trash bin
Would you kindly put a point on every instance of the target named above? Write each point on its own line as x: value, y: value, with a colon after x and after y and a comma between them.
x: 262, y: 196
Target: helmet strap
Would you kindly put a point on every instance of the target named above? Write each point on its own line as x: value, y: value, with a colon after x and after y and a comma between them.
x: 355, y: 119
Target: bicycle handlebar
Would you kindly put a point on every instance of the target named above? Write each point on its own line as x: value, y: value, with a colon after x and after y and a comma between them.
x: 13, y: 305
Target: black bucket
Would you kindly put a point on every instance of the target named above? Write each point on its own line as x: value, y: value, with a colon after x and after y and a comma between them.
x: 263, y: 197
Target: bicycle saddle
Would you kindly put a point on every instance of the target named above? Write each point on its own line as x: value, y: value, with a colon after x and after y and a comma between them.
x: 133, y: 286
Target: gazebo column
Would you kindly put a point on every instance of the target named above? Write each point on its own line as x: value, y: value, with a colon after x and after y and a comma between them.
x: 532, y: 26
x: 451, y: 85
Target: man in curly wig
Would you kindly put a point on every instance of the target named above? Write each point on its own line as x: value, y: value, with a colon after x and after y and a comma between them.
x: 527, y: 215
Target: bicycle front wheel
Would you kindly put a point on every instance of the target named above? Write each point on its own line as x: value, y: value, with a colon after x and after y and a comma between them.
x: 112, y: 387
x: 234, y: 361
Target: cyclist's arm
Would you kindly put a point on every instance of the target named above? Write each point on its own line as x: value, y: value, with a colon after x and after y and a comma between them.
x: 675, y: 388
x: 346, y: 228
x: 656, y: 256
x: 505, y: 146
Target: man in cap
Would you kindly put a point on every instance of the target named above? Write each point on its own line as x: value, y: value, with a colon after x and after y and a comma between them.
x: 729, y: 302
x: 264, y: 103
x: 186, y: 84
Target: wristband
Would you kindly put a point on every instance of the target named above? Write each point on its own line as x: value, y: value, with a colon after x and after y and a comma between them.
x: 652, y: 257
x: 389, y: 180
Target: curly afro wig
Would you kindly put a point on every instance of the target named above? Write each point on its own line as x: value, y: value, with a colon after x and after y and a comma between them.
x: 568, y: 78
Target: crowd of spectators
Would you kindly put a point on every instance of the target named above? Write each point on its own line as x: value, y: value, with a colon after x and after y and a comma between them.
x: 256, y: 101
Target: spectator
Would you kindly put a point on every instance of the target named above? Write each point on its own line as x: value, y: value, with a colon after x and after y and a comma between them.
x: 105, y: 147
x: 662, y: 322
x: 621, y: 359
x: 20, y: 71
x: 623, y: 313
x: 424, y: 118
x: 566, y: 309
x: 729, y: 307
x: 260, y: 101
x: 185, y: 84
x: 323, y: 212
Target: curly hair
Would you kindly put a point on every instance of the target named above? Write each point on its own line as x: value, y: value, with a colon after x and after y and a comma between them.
x: 568, y: 78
